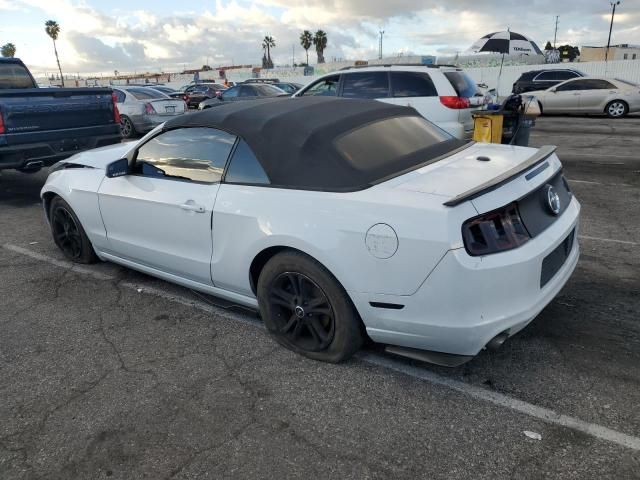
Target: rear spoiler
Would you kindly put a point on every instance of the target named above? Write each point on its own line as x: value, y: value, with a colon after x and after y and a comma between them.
x: 542, y: 154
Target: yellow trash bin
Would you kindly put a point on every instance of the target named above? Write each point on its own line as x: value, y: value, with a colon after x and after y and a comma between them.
x: 487, y: 127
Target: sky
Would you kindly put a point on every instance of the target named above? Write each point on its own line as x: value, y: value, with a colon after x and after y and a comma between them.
x: 170, y: 35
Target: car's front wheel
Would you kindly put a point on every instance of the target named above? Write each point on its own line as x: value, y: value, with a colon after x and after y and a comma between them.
x: 306, y: 310
x: 68, y: 233
x: 616, y: 109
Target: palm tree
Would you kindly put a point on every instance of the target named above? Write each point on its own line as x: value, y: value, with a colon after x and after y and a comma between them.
x: 306, y: 40
x: 320, y: 41
x: 268, y: 43
x: 53, y: 30
x: 8, y: 50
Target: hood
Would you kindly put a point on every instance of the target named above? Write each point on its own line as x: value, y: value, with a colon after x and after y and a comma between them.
x: 463, y: 171
x: 101, y: 157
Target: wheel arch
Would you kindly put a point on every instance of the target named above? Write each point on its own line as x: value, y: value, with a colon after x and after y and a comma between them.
x: 261, y: 259
x: 606, y: 107
x: 47, y: 198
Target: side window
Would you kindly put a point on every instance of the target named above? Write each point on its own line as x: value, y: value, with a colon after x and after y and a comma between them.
x: 120, y: 96
x: 247, y: 91
x: 412, y: 84
x: 196, y: 154
x: 244, y: 167
x: 365, y: 85
x: 595, y: 84
x: 327, y: 87
x: 546, y: 76
x: 573, y: 85
x: 230, y: 93
x: 565, y: 75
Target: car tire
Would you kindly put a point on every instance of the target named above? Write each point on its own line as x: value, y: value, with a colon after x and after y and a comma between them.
x: 127, y: 130
x: 68, y: 233
x: 306, y: 310
x: 616, y: 109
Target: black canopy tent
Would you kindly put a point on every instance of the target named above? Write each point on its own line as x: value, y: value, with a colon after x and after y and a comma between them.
x: 294, y: 139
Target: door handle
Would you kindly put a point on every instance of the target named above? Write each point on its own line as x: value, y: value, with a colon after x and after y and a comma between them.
x: 190, y: 206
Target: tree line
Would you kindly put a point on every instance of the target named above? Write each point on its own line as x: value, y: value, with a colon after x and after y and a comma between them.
x: 307, y: 39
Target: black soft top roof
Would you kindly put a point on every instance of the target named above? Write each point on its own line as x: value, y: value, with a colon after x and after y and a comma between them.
x: 293, y: 138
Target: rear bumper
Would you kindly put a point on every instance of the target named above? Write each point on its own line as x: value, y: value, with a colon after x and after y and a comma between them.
x: 51, y: 147
x: 146, y: 123
x: 466, y: 301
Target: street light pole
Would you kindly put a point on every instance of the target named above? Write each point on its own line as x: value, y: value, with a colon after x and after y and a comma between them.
x: 380, y: 49
x: 613, y: 12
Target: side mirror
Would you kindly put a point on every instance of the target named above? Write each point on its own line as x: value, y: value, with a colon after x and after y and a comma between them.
x: 553, y: 89
x: 118, y: 168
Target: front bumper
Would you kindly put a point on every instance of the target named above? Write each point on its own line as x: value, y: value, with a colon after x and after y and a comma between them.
x: 466, y: 301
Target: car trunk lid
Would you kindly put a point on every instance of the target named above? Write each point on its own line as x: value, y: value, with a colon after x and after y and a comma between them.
x: 168, y: 106
x: 477, y: 172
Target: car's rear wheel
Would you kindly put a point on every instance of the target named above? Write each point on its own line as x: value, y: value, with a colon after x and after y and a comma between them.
x: 68, y: 233
x: 306, y: 310
x: 616, y: 109
x: 127, y: 130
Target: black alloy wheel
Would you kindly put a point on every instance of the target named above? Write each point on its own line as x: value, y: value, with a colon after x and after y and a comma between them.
x: 68, y: 233
x: 306, y: 309
x: 302, y: 312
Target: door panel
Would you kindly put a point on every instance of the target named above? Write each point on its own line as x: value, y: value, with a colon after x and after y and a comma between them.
x: 160, y: 223
x: 562, y: 101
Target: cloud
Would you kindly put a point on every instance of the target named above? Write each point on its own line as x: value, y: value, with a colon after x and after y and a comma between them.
x: 231, y: 31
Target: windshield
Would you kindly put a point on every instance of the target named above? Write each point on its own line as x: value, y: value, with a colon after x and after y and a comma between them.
x: 14, y: 75
x: 145, y: 93
x: 269, y: 90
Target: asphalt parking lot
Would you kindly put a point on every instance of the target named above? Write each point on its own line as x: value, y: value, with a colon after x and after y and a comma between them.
x: 107, y: 373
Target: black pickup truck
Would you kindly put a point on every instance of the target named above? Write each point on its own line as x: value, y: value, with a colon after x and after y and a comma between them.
x: 39, y: 126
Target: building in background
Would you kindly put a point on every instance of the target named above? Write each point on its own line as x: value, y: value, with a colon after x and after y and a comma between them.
x: 616, y: 52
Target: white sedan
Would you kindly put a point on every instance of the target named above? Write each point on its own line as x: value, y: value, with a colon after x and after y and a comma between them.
x: 590, y: 95
x: 336, y: 218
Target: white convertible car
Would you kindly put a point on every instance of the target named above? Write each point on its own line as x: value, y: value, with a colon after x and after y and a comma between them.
x: 337, y: 218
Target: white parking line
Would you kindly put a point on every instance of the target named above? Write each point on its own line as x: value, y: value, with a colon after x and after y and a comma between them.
x: 599, y: 239
x: 540, y: 413
x: 600, y: 183
x: 496, y: 398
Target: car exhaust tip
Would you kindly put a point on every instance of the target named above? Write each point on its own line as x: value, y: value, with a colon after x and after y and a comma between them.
x: 496, y: 342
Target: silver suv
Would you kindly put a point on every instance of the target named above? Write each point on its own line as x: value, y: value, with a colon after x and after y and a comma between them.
x: 444, y: 95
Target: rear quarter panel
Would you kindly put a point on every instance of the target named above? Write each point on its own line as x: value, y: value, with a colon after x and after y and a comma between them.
x: 331, y: 227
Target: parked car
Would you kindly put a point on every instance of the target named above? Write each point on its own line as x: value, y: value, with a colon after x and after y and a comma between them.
x: 615, y: 98
x: 243, y: 92
x: 200, y: 93
x: 41, y: 125
x: 442, y: 94
x: 166, y: 90
x: 184, y: 90
x: 334, y: 218
x: 543, y: 79
x: 288, y: 87
x: 142, y: 109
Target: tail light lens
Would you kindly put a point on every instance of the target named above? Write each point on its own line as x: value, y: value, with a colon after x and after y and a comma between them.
x: 1, y: 123
x: 185, y: 98
x: 495, y: 231
x: 456, y: 103
x: 116, y: 113
x: 149, y: 110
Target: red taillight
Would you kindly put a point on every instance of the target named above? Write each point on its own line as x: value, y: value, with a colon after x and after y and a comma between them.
x: 456, y: 103
x: 116, y: 113
x: 495, y: 231
x: 149, y: 110
x: 185, y: 98
x: 1, y: 124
